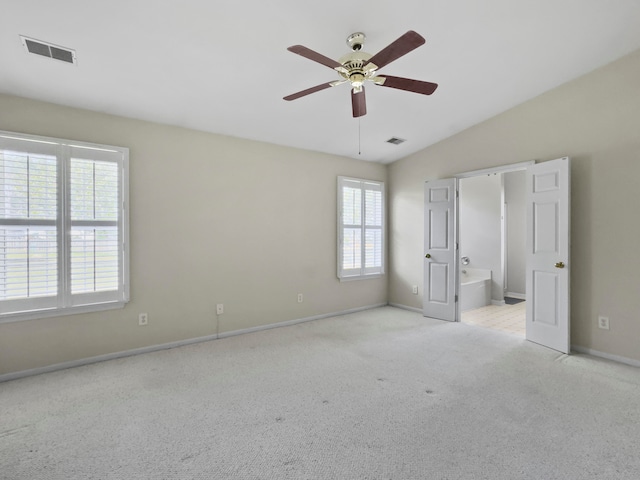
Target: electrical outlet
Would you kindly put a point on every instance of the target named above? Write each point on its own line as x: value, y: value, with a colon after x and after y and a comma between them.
x: 603, y: 322
x: 415, y: 289
x: 143, y: 319
x: 300, y: 298
x: 220, y: 309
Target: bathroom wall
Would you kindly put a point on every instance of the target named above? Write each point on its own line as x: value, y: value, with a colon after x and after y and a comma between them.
x: 514, y: 194
x: 480, y: 226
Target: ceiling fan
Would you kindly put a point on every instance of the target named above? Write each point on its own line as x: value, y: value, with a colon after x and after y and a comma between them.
x: 358, y: 67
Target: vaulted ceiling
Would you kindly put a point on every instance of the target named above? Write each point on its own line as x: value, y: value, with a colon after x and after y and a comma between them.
x: 223, y: 66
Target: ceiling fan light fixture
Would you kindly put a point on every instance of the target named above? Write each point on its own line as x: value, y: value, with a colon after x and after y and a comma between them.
x: 357, y: 79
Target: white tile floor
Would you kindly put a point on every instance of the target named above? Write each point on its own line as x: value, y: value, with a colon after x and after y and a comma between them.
x: 506, y: 318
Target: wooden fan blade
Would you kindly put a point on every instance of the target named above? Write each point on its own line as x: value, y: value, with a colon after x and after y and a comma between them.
x: 315, y: 56
x: 309, y: 91
x: 416, y: 86
x: 403, y: 45
x: 358, y: 104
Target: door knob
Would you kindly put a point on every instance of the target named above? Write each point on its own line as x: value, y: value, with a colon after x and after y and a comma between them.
x: 559, y: 265
x: 428, y: 255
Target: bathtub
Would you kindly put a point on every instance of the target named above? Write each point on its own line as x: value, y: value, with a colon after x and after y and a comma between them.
x: 475, y: 288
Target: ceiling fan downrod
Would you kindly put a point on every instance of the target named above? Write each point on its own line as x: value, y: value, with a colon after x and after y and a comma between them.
x: 355, y: 41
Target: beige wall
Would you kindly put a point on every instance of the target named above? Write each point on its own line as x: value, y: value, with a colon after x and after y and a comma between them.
x: 214, y: 219
x: 596, y: 121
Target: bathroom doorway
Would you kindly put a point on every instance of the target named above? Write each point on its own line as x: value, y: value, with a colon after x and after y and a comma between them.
x: 492, y: 238
x: 547, y: 250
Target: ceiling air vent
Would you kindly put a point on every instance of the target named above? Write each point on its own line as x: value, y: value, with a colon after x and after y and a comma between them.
x: 48, y: 50
x: 396, y: 140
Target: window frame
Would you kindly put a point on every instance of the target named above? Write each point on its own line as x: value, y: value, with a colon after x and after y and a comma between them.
x: 363, y: 272
x: 65, y: 302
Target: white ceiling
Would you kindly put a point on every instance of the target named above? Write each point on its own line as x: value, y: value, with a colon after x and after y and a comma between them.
x: 222, y: 66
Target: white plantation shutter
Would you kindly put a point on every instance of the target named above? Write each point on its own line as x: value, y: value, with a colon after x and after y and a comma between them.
x: 62, y: 226
x: 373, y: 227
x: 28, y: 218
x: 360, y: 228
x: 95, y: 254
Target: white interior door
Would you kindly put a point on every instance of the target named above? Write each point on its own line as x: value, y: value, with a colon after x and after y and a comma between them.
x: 547, y: 283
x: 439, y: 298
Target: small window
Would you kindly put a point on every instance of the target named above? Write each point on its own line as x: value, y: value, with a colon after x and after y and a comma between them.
x: 63, y: 227
x: 360, y: 228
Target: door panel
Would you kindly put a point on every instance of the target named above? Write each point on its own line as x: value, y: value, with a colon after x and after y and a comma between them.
x: 438, y: 282
x: 548, y: 268
x: 438, y: 222
x: 439, y: 299
x: 546, y: 301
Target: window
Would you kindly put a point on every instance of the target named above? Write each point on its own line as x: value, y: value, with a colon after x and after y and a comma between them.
x: 360, y: 228
x: 63, y: 227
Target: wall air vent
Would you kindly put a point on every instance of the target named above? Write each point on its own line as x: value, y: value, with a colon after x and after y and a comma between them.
x: 48, y: 50
x: 396, y: 140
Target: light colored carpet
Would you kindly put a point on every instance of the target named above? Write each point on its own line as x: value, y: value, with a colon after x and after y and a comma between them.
x: 382, y: 394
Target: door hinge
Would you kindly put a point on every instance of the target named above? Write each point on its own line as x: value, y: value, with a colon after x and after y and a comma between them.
x: 456, y: 299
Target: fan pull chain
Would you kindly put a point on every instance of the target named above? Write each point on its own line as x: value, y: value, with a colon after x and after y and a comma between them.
x: 359, y: 141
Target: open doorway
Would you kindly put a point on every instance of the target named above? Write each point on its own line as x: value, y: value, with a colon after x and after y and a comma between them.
x: 492, y: 238
x: 547, y: 211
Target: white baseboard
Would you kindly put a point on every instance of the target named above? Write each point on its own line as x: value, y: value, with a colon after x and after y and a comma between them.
x: 406, y: 307
x: 499, y: 303
x: 164, y: 346
x: 102, y: 358
x: 298, y: 320
x: 608, y: 356
x: 520, y: 296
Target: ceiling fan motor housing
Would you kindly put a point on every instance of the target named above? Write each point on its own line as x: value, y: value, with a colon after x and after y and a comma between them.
x: 354, y: 70
x: 354, y: 63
